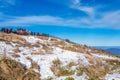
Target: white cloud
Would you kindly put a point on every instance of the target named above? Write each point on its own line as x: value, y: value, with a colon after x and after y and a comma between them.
x: 7, y: 3
x: 31, y: 20
x: 11, y: 2
x: 77, y: 2
x: 108, y: 20
x: 87, y: 9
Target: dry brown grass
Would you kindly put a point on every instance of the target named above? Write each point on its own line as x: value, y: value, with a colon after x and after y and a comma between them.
x: 26, y: 44
x: 90, y: 58
x: 54, y: 39
x: 47, y: 49
x: 114, y: 64
x: 99, y: 69
x: 56, y: 62
x: 34, y: 65
x: 55, y: 70
x: 40, y: 52
x: 94, y: 51
x: 16, y: 49
x: 94, y: 73
x: 16, y: 55
x: 69, y: 65
x: 61, y: 71
x: 10, y: 37
x: 10, y: 69
x: 70, y: 46
x: 43, y: 38
x: 36, y: 45
x: 61, y: 42
x: 55, y: 67
x: 65, y: 72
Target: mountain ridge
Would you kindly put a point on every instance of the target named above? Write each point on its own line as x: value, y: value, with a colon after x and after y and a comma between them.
x: 114, y: 50
x: 111, y: 49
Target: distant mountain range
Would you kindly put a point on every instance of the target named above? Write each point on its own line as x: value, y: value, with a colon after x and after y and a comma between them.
x: 111, y: 49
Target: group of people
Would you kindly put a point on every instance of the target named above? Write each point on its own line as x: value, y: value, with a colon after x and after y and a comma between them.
x: 20, y: 31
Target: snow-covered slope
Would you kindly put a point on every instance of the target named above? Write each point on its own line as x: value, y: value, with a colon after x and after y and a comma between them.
x: 57, y: 59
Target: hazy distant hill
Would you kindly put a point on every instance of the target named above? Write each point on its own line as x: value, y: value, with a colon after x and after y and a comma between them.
x: 113, y: 50
x: 110, y: 49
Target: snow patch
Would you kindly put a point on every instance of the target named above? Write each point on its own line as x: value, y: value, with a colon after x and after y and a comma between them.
x: 114, y: 76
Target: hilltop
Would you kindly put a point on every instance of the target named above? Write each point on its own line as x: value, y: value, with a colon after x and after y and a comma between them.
x: 56, y: 59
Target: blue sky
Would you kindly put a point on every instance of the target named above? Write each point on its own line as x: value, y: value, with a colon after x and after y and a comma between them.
x: 90, y: 22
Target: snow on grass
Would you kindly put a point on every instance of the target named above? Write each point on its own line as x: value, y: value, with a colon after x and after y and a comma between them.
x: 5, y: 48
x: 105, y: 56
x: 24, y: 61
x: 82, y: 77
x: 114, y: 76
x: 45, y: 61
x: 32, y: 39
x: 68, y: 56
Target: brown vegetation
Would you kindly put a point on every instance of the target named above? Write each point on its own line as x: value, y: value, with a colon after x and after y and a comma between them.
x: 15, y: 55
x: 12, y: 70
x: 11, y: 37
x: 43, y: 38
x: 40, y: 52
x: 60, y: 71
x: 34, y: 65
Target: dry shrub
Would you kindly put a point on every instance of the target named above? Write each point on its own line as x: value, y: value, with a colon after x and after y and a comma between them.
x: 15, y: 55
x: 16, y: 49
x: 60, y: 71
x: 61, y: 42
x: 55, y: 70
x: 55, y: 67
x: 54, y: 39
x: 69, y: 65
x: 81, y: 49
x: 43, y: 38
x: 70, y: 48
x: 114, y: 64
x: 36, y: 45
x: 10, y: 69
x: 69, y: 78
x: 34, y: 65
x: 96, y: 71
x: 26, y: 44
x: 65, y: 72
x: 90, y: 58
x: 47, y: 49
x: 31, y: 75
x: 93, y: 72
x: 56, y: 62
x: 28, y: 58
x: 40, y: 52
